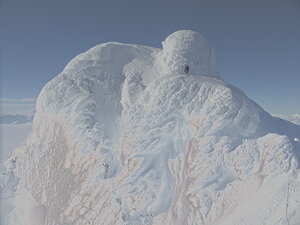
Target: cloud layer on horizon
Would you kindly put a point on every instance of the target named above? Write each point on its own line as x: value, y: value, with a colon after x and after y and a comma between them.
x: 12, y: 105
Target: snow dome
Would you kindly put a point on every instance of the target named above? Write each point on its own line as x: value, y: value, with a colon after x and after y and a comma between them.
x: 123, y: 137
x: 186, y: 47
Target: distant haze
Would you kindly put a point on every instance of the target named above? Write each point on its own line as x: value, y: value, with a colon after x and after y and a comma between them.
x: 15, y: 106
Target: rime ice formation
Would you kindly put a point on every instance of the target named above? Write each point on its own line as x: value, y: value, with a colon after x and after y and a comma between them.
x: 121, y: 136
x: 187, y: 48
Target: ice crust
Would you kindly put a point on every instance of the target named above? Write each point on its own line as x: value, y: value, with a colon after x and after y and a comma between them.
x: 123, y: 136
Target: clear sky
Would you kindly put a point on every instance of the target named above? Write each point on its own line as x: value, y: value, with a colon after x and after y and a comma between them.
x: 257, y: 42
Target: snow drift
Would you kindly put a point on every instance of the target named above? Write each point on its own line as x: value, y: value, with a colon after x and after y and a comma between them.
x: 123, y: 136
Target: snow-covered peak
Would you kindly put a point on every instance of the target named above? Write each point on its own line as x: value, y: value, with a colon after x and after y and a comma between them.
x: 123, y: 136
x: 186, y: 47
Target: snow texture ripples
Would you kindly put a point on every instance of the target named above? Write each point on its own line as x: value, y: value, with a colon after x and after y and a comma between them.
x: 124, y: 136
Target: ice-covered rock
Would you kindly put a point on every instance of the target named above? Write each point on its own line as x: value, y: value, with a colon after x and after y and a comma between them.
x: 124, y: 136
x: 190, y: 48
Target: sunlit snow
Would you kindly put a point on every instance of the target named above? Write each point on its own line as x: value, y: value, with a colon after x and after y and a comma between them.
x: 124, y: 136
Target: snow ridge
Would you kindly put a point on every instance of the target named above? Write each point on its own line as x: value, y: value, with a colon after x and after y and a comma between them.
x: 123, y: 136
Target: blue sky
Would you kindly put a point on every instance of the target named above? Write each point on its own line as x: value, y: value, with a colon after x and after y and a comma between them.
x: 256, y: 42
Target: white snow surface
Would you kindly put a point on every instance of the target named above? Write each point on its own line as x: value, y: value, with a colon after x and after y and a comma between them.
x: 123, y: 136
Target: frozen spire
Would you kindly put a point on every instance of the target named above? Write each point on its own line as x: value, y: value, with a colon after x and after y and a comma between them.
x: 190, y: 48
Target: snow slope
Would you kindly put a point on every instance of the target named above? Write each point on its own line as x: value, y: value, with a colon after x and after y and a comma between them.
x: 122, y: 136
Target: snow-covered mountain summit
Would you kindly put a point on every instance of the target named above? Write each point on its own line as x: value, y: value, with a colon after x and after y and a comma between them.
x: 124, y: 136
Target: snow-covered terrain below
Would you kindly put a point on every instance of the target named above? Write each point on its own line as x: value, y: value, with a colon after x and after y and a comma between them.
x: 20, y: 118
x: 14, y: 129
x: 294, y: 118
x: 11, y: 137
x: 124, y: 136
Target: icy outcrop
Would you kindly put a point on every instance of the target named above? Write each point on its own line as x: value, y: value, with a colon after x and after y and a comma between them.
x: 188, y: 48
x: 121, y: 136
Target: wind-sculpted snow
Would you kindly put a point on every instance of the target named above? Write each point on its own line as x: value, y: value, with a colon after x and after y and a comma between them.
x: 121, y: 136
x: 200, y: 132
x: 187, y: 48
